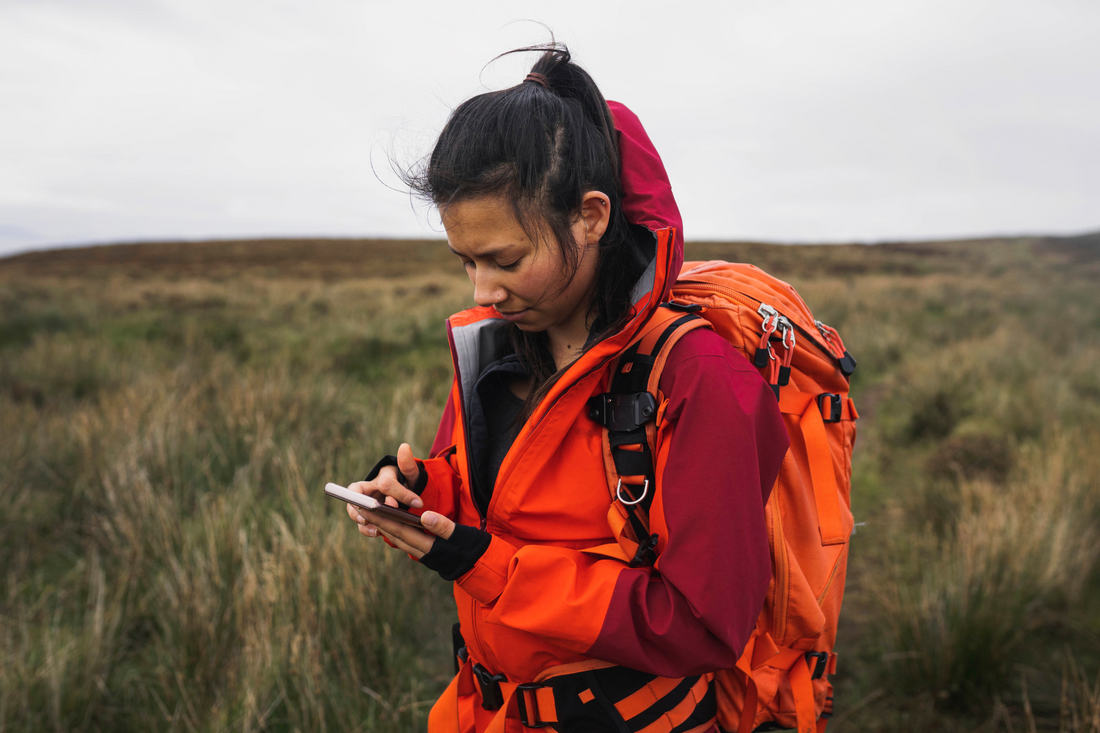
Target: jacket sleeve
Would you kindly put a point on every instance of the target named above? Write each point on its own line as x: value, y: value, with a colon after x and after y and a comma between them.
x: 695, y: 611
x: 441, y: 491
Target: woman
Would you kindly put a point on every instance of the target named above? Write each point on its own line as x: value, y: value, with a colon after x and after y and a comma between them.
x: 561, y: 212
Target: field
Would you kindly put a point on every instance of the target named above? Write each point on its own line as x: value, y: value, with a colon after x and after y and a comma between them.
x: 169, y: 412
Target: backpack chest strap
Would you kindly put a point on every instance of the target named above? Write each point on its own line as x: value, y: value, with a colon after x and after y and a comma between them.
x: 628, y: 413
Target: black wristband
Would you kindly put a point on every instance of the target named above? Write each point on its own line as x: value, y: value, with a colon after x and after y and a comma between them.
x: 421, y: 480
x: 454, y: 557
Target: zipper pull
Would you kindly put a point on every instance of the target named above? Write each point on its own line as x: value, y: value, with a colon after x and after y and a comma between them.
x: 787, y: 332
x: 836, y: 345
x: 768, y: 325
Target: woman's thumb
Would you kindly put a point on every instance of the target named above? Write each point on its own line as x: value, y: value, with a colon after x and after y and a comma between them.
x: 406, y: 463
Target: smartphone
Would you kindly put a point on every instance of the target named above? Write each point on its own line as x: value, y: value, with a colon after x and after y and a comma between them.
x: 371, y: 504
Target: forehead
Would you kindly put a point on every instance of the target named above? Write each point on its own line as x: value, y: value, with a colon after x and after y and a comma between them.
x: 482, y: 226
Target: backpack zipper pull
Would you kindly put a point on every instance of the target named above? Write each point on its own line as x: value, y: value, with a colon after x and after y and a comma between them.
x: 787, y: 332
x: 768, y: 325
x: 836, y: 345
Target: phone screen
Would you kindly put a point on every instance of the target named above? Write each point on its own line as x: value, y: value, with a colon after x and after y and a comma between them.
x: 336, y: 491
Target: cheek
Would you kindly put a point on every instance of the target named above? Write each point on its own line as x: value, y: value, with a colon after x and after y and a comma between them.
x: 536, y: 280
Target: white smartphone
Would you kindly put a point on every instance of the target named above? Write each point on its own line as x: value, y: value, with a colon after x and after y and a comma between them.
x: 336, y: 491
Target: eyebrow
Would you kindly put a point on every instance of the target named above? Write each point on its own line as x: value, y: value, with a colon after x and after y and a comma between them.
x: 488, y: 253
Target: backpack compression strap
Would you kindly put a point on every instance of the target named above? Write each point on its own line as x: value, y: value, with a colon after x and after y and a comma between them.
x: 628, y: 411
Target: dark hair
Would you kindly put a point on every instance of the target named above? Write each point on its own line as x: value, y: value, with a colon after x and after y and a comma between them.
x: 542, y: 148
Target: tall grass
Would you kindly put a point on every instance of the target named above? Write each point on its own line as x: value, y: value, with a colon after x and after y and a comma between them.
x: 170, y: 563
x: 208, y: 585
x: 1014, y: 554
x: 168, y: 416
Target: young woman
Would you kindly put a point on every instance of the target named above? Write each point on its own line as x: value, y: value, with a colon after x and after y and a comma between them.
x: 561, y: 212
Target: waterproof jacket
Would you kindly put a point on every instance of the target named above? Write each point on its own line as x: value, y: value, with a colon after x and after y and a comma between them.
x: 536, y: 600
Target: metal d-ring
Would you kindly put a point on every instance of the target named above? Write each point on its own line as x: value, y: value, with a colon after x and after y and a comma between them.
x: 619, y: 493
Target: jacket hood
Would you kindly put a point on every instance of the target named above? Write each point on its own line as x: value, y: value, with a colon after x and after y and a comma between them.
x: 648, y: 202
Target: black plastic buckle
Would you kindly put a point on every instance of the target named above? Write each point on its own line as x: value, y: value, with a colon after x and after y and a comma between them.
x: 820, y: 665
x: 677, y: 305
x: 522, y: 700
x: 491, y: 696
x: 646, y: 548
x: 622, y: 413
x: 835, y: 406
x: 458, y: 645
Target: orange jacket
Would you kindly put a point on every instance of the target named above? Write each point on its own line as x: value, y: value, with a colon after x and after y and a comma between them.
x: 536, y: 599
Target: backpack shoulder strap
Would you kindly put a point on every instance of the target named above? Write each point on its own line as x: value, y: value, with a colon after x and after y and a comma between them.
x: 628, y: 414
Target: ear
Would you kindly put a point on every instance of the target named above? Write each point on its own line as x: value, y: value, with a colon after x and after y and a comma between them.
x: 595, y: 214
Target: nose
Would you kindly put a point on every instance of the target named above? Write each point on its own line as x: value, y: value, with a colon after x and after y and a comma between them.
x: 487, y: 291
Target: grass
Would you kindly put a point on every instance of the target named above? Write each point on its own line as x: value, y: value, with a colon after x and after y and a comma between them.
x: 170, y: 411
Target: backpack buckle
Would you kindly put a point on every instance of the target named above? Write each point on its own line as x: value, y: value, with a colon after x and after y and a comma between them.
x: 818, y: 667
x: 622, y: 413
x: 644, y: 549
x: 525, y: 715
x: 835, y: 407
x: 683, y: 307
x: 491, y: 696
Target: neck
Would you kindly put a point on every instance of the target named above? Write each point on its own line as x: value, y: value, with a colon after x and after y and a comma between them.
x: 566, y: 340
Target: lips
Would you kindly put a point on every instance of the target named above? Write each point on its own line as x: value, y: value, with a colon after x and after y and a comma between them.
x: 514, y: 315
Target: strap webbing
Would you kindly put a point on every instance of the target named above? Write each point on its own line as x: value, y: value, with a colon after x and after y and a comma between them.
x: 822, y: 475
x: 630, y: 450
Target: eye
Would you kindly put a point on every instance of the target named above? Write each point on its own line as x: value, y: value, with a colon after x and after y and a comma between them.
x: 510, y: 266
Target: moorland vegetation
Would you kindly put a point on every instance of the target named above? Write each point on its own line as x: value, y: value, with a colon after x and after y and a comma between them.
x: 170, y: 412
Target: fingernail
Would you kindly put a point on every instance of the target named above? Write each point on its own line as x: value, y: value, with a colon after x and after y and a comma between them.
x: 427, y: 520
x: 417, y: 503
x: 359, y: 518
x: 372, y: 531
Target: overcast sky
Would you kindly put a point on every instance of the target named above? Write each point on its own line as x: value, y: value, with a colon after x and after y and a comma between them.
x: 783, y: 120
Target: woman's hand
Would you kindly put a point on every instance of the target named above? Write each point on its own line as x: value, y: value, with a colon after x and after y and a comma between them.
x: 386, y: 488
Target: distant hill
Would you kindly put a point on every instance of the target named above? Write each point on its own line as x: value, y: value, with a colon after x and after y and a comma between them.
x: 358, y: 258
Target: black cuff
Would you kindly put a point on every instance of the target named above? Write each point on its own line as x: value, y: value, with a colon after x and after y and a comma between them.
x: 421, y: 480
x: 457, y: 556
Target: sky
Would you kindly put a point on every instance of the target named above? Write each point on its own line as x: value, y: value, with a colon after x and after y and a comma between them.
x: 778, y: 120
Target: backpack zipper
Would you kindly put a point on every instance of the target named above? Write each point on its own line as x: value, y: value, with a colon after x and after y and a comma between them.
x: 829, y: 582
x: 760, y: 307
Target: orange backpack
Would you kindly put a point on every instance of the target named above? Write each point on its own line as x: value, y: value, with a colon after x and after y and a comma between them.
x: 782, y: 676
